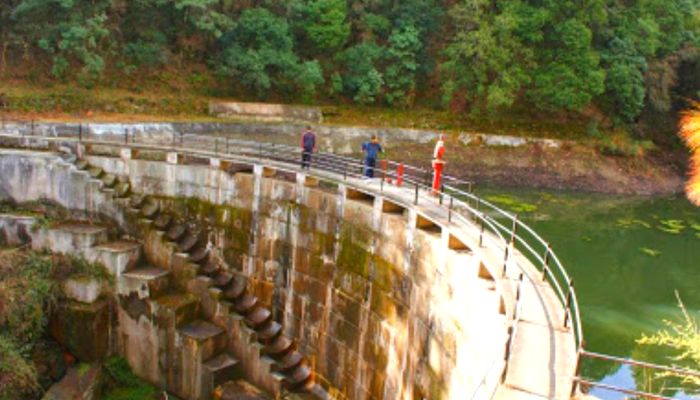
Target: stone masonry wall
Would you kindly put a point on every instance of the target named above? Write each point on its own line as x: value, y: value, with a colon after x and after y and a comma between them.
x: 382, y: 308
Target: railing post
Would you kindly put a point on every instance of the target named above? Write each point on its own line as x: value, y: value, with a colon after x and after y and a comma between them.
x: 507, y: 355
x: 182, y: 138
x: 449, y: 209
x: 442, y: 190
x: 216, y: 145
x: 567, y: 309
x: 505, y: 260
x: 577, y: 372
x: 545, y: 263
x: 80, y: 132
x: 415, y: 201
x: 126, y: 136
x: 481, y: 233
x: 514, y: 229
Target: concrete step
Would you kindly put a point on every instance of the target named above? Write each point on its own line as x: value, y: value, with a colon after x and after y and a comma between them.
x: 176, y: 232
x: 82, y: 164
x: 180, y: 308
x: 109, y: 180
x: 150, y: 209
x: 219, y: 369
x: 118, y: 256
x: 206, y: 338
x: 146, y: 282
x: 223, y: 279
x: 163, y: 222
x: 239, y: 390
x: 280, y: 347
x: 95, y: 172
x: 210, y: 269
x: 122, y: 189
x: 289, y: 362
x: 245, y: 304
x: 236, y: 289
x: 189, y: 242
x: 201, y: 255
x: 70, y: 238
x: 299, y: 378
x: 257, y: 318
x: 137, y: 200
x: 269, y: 332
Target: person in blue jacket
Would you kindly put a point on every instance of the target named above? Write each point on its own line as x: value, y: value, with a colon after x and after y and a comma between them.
x: 372, y: 149
x: 308, y: 146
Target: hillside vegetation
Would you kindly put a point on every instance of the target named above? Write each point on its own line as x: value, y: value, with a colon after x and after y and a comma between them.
x: 602, y: 65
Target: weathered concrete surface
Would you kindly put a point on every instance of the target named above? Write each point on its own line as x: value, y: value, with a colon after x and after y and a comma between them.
x: 381, y: 299
x: 16, y: 230
x: 84, y: 329
x: 265, y: 111
x: 82, y: 382
x: 82, y: 289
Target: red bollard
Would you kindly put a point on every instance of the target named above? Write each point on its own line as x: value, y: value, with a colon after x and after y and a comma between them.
x: 384, y: 167
x: 399, y: 175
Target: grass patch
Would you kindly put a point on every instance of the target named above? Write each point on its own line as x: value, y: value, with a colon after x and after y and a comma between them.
x: 182, y: 102
x: 125, y: 385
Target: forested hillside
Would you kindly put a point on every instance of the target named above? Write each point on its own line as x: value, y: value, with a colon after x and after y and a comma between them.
x: 610, y: 60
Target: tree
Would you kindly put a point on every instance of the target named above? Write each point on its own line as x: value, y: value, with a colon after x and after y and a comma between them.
x: 361, y: 79
x: 400, y: 75
x: 486, y: 62
x: 569, y: 75
x: 625, y: 79
x: 259, y: 53
x: 70, y: 31
x: 323, y: 23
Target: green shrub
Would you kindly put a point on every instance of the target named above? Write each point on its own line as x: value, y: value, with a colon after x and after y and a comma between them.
x: 18, y: 377
x: 621, y: 144
x: 683, y: 337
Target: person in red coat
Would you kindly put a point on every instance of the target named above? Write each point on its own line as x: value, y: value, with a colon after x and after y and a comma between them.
x: 438, y: 163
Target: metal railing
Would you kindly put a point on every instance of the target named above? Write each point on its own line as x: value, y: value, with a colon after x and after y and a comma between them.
x: 504, y: 230
x: 672, y: 371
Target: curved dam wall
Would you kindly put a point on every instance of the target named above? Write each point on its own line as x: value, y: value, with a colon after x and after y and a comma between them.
x: 384, y: 302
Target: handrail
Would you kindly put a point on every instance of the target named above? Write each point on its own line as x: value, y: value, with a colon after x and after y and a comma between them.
x: 673, y: 371
x: 458, y: 204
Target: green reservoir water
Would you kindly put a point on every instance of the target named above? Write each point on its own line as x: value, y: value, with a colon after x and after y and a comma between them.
x: 628, y: 256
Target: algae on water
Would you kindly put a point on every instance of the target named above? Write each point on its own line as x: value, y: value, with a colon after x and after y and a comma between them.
x: 672, y: 226
x: 512, y: 203
x: 650, y: 252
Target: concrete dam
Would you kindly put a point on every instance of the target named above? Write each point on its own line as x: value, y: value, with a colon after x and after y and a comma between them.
x: 232, y: 263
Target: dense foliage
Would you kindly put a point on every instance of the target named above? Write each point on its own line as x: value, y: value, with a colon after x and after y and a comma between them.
x: 29, y: 287
x: 610, y: 57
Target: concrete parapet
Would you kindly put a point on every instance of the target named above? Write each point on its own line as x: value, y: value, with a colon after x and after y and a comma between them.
x: 265, y: 112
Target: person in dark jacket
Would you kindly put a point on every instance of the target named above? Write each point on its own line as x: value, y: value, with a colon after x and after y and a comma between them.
x: 372, y: 150
x: 308, y: 146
